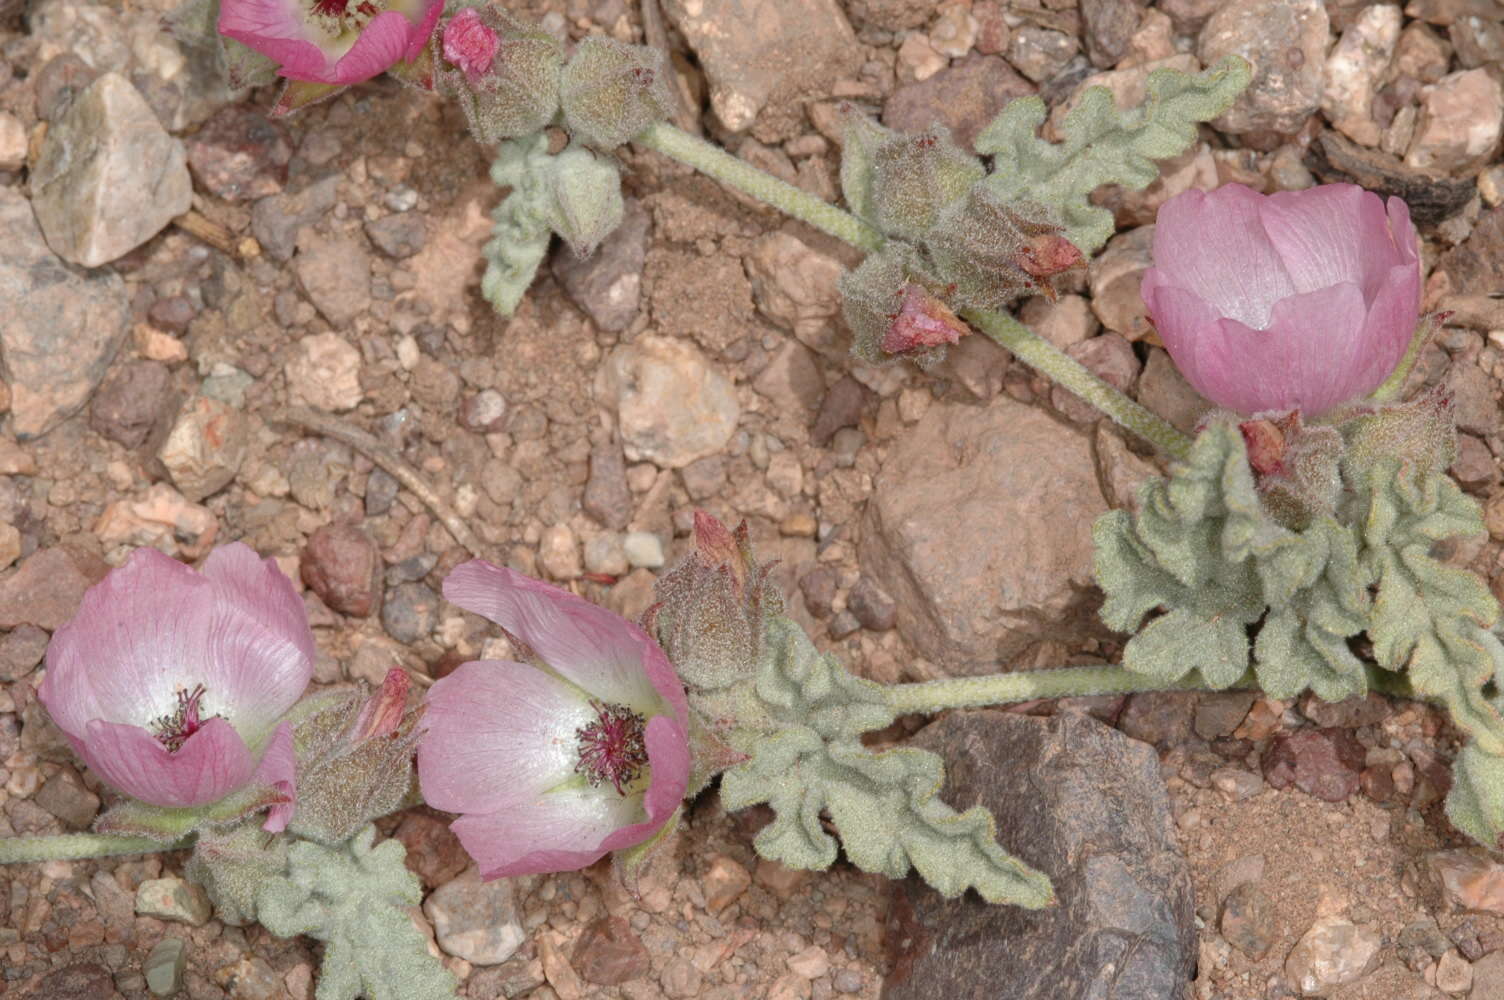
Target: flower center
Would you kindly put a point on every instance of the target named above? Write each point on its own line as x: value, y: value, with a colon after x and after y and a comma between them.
x: 612, y: 748
x: 339, y: 16
x: 173, y: 729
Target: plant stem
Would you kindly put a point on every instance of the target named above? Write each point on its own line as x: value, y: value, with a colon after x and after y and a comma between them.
x: 1039, y: 354
x: 1028, y: 685
x: 1391, y: 386
x: 78, y: 846
x: 734, y: 173
x: 1074, y: 682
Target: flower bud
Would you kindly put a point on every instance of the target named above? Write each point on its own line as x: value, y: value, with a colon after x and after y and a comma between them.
x: 891, y: 306
x: 610, y: 91
x: 586, y: 198
x: 504, y: 75
x: 994, y: 252
x: 713, y: 606
x: 1296, y: 467
x: 914, y: 177
x: 355, y: 761
x: 1421, y: 434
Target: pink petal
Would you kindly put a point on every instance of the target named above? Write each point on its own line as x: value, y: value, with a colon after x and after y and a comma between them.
x: 141, y: 634
x: 498, y: 734
x: 383, y: 43
x: 1213, y: 243
x: 1184, y: 322
x: 1387, y: 330
x: 252, y: 21
x: 420, y: 34
x: 563, y: 831
x: 210, y: 764
x: 263, y: 647
x: 278, y: 768
x: 668, y: 761
x: 607, y: 656
x: 1330, y: 234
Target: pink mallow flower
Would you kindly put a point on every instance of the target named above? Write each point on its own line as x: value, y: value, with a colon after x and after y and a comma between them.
x: 334, y: 42
x: 1296, y: 300
x: 171, y: 683
x: 553, y: 765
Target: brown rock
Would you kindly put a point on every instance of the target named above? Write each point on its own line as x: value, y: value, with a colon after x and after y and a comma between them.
x: 1460, y: 122
x: 434, y: 853
x: 871, y: 605
x: 84, y: 981
x: 21, y: 649
x: 1286, y: 42
x: 964, y: 98
x: 48, y: 587
x: 1320, y: 762
x: 842, y: 407
x: 609, y: 953
x: 1115, y: 275
x: 608, y: 499
x: 969, y: 595
x: 130, y: 402
x: 724, y: 881
x: 205, y: 448
x: 1249, y: 920
x: 1108, y: 24
x: 342, y: 565
x: 240, y: 154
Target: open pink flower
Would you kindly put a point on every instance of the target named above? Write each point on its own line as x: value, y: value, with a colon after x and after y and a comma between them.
x: 1298, y: 300
x: 553, y: 765
x: 332, y: 42
x: 171, y: 683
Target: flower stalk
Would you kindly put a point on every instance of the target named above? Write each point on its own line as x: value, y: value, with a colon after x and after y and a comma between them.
x: 79, y: 846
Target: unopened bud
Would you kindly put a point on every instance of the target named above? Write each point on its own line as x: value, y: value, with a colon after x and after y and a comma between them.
x: 914, y: 177
x: 504, y: 74
x: 610, y: 91
x: 922, y: 322
x: 893, y: 312
x: 587, y: 203
x: 1296, y: 467
x: 994, y: 252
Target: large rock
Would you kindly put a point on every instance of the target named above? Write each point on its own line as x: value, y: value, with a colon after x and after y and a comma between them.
x: 963, y: 97
x: 1088, y: 807
x: 794, y: 285
x: 62, y: 326
x: 1286, y: 42
x: 1354, y: 69
x: 1460, y: 121
x: 980, y: 528
x: 108, y: 177
x: 476, y: 921
x: 761, y: 52
x: 673, y: 407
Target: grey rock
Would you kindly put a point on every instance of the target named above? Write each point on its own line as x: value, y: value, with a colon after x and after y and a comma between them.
x: 336, y: 275
x: 276, y: 219
x: 761, y: 52
x: 399, y: 235
x: 1250, y: 920
x: 474, y: 920
x: 1286, y: 43
x: 1159, y: 718
x: 968, y: 594
x: 62, y: 328
x: 1108, y: 25
x: 165, y: 966
x: 1092, y: 811
x: 1332, y: 953
x: 672, y: 406
x: 1219, y: 712
x: 1040, y: 53
x: 607, y: 285
x: 871, y: 605
x: 607, y: 498
x: 410, y: 612
x: 108, y: 177
x: 963, y: 97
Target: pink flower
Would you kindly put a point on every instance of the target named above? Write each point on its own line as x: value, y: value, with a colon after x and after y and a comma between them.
x: 334, y: 42
x: 171, y: 683
x: 556, y: 764
x: 470, y: 43
x: 1299, y: 300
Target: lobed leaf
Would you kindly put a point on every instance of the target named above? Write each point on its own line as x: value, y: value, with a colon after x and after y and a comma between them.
x: 1103, y: 145
x: 883, y: 804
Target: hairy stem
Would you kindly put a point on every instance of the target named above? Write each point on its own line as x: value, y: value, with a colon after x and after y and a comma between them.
x: 1039, y: 354
x: 734, y: 173
x: 77, y: 846
x: 1391, y: 386
x: 1074, y: 682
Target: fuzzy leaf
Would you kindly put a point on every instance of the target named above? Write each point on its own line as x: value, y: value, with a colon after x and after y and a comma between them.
x: 354, y: 898
x: 1204, y: 549
x: 883, y: 804
x: 1103, y: 145
x: 1475, y: 805
x: 1430, y: 619
x: 521, y: 232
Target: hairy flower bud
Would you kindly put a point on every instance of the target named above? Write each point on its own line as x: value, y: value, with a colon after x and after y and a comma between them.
x: 994, y: 251
x: 914, y: 177
x: 1296, y: 467
x: 713, y: 606
x: 504, y: 74
x: 894, y: 311
x: 355, y: 759
x: 1421, y: 434
x: 586, y: 203
x: 610, y: 91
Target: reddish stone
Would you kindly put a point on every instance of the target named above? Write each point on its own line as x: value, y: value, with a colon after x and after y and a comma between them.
x: 48, y: 587
x: 434, y: 853
x: 609, y: 953
x: 341, y: 565
x: 1325, y: 763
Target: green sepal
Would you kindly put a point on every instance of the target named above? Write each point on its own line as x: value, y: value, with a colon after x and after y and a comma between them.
x: 861, y: 139
x: 630, y: 863
x: 1102, y: 144
x: 168, y: 824
x: 233, y: 864
x: 299, y: 94
x: 1475, y: 804
x: 354, y: 898
x: 808, y: 758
